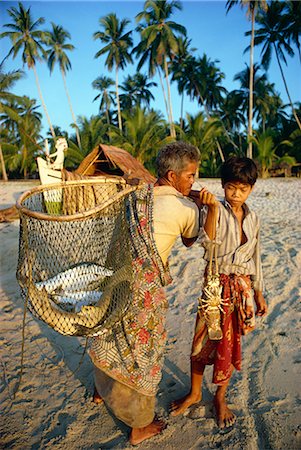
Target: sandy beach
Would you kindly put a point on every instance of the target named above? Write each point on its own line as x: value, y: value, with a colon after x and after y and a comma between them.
x: 53, y: 408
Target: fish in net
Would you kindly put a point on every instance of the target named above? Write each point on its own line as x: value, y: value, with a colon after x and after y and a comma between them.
x: 75, y: 256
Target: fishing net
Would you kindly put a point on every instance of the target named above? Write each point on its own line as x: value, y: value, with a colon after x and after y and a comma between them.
x: 75, y: 262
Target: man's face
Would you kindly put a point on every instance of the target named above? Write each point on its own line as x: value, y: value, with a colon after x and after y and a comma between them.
x: 184, y: 180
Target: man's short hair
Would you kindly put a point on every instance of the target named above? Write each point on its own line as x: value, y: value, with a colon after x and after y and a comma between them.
x: 175, y: 156
x: 240, y: 169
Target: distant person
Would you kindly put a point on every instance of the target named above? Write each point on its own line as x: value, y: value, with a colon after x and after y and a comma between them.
x: 239, y: 262
x: 128, y: 358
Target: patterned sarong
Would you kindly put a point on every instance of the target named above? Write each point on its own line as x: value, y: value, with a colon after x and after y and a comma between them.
x: 132, y: 351
x: 238, y: 319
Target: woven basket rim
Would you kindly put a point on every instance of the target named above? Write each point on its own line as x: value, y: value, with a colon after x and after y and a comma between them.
x: 64, y: 184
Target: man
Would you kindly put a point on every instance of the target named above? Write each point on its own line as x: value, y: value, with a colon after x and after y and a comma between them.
x: 128, y: 360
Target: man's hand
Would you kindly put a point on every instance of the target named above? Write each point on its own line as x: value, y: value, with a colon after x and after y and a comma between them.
x: 203, y: 197
x: 206, y: 198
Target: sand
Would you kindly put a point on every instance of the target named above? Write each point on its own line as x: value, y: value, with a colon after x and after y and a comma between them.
x: 53, y: 407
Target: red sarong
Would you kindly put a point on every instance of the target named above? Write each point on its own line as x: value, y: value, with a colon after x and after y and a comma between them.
x: 237, y: 319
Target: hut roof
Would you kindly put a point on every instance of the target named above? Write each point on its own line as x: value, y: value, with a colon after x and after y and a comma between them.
x: 107, y: 159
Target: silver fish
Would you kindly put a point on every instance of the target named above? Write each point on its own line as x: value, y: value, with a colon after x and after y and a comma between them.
x: 76, y: 279
x: 75, y: 300
x: 86, y: 322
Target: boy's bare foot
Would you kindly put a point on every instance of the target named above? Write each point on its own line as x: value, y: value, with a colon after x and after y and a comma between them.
x: 180, y: 406
x: 96, y: 397
x: 224, y: 416
x: 139, y: 435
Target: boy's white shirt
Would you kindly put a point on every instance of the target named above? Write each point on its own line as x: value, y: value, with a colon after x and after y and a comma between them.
x: 233, y: 257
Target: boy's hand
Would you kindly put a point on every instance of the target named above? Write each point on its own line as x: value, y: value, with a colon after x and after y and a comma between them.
x: 261, y: 306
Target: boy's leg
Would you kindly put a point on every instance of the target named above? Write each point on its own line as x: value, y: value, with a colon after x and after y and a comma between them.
x: 225, y: 417
x: 194, y: 396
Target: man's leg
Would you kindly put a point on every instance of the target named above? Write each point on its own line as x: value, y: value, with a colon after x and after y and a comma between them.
x: 195, y: 395
x: 139, y: 435
x: 225, y: 417
x: 96, y: 397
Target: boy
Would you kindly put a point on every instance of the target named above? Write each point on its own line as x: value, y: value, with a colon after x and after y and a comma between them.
x: 238, y: 254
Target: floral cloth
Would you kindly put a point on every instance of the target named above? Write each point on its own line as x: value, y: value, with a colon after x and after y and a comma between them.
x: 238, y: 319
x: 132, y: 351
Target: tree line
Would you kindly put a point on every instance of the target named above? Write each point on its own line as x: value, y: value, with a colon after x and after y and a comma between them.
x: 251, y: 120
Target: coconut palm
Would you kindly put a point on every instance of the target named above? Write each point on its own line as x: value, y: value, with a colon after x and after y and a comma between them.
x: 117, y: 46
x: 144, y: 134
x: 57, y: 54
x: 93, y: 131
x: 292, y: 19
x: 159, y: 40
x: 26, y: 37
x: 203, y: 132
x: 136, y: 90
x: 102, y: 84
x: 271, y: 35
x: 252, y: 8
x: 7, y: 81
x: 179, y: 68
x: 203, y: 83
x: 27, y: 138
x: 266, y: 154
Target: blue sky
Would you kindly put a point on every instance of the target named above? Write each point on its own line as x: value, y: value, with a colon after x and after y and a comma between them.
x: 213, y: 32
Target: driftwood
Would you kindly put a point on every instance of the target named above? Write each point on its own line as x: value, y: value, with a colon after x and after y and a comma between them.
x: 9, y: 214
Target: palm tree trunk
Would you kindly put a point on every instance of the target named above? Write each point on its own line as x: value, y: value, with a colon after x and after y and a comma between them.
x: 221, y: 154
x: 43, y: 103
x: 172, y: 126
x: 164, y: 94
x: 182, y: 107
x: 71, y: 109
x: 118, y: 102
x: 286, y: 88
x: 4, y: 174
x: 250, y: 128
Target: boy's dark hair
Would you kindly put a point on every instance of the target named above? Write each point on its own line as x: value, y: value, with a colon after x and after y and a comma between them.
x: 175, y: 156
x: 240, y: 169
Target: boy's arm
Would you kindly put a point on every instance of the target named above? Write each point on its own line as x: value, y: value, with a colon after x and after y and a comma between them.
x: 208, y: 199
x: 257, y: 279
x: 261, y: 306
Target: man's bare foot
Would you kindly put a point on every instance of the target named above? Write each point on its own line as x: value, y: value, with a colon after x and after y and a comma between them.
x: 180, y: 406
x: 224, y: 416
x: 139, y: 435
x: 96, y: 397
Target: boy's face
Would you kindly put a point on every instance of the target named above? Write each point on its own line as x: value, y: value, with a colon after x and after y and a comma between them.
x: 236, y: 193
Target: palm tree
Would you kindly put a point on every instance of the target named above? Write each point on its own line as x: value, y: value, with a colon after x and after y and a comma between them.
x: 272, y: 36
x: 28, y: 123
x: 7, y: 80
x: 159, y: 41
x: 292, y: 19
x: 266, y: 152
x: 144, y: 134
x: 179, y: 66
x: 57, y: 54
x: 102, y: 84
x: 202, y: 82
x: 252, y: 8
x: 117, y: 47
x: 136, y: 90
x: 26, y: 36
